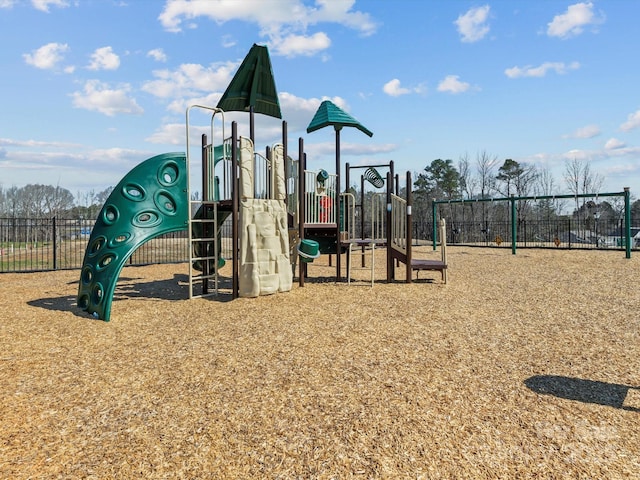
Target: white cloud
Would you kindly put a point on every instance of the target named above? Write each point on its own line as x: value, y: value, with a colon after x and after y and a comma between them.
x: 541, y: 70
x: 472, y: 26
x: 157, y: 54
x: 114, y: 156
x: 339, y: 11
x: 46, y: 57
x: 9, y: 142
x: 100, y: 97
x: 452, y: 84
x: 393, y: 88
x: 169, y: 134
x: 285, y: 23
x: 573, y: 21
x: 228, y: 41
x: 614, y: 143
x: 588, y: 131
x: 294, y: 45
x: 104, y: 59
x: 328, y: 149
x: 7, y: 3
x: 633, y: 121
x: 43, y: 5
x: 180, y: 105
x: 190, y: 79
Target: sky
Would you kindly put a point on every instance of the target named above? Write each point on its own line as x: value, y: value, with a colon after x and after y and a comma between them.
x: 91, y: 88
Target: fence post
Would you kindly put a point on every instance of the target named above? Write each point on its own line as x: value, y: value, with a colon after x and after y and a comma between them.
x: 55, y: 244
x: 627, y: 222
x: 514, y: 224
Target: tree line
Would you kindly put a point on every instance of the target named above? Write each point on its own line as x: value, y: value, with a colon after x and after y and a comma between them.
x: 487, y: 177
x: 47, y: 201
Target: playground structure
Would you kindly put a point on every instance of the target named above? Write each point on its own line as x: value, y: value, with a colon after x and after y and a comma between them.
x: 152, y: 200
x: 275, y: 205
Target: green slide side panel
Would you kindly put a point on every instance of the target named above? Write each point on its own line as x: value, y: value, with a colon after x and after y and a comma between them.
x: 149, y: 201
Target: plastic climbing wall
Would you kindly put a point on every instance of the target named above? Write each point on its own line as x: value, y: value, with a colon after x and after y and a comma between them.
x: 265, y: 267
x: 149, y: 201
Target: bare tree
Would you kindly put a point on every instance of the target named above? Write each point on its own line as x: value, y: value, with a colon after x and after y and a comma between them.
x: 101, y: 197
x: 467, y: 181
x: 3, y: 202
x: 485, y: 167
x: 591, y: 181
x: 545, y: 186
x: 485, y: 170
x: 580, y: 180
x: 36, y: 201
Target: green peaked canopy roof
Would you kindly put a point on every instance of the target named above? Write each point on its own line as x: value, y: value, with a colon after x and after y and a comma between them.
x: 330, y: 114
x: 253, y: 86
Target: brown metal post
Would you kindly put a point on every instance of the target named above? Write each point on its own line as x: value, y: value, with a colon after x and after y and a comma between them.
x: 252, y: 129
x: 362, y: 218
x: 409, y: 227
x: 302, y: 266
x: 347, y: 169
x: 336, y: 204
x: 390, y: 268
x: 235, y: 209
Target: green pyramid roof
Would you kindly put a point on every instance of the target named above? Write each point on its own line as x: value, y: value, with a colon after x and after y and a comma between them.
x: 330, y: 114
x: 253, y: 85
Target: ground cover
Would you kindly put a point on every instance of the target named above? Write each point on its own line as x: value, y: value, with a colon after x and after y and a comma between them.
x: 524, y: 366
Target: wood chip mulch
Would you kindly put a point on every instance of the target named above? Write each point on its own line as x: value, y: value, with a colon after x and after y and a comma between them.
x: 524, y: 366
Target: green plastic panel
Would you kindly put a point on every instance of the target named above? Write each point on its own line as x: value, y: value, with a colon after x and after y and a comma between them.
x: 149, y: 201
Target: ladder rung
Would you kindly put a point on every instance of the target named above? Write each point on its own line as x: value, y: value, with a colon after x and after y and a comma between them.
x: 210, y: 257
x: 203, y: 277
x: 203, y: 220
x: 204, y: 295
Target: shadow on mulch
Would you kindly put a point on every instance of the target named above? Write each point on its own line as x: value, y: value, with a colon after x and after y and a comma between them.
x: 176, y: 288
x: 587, y: 391
x: 66, y: 303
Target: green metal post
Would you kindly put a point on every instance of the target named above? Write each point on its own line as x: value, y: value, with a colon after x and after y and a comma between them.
x: 434, y: 208
x: 627, y: 222
x: 514, y: 224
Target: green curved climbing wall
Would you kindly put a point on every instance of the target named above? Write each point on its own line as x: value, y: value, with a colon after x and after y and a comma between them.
x: 149, y: 201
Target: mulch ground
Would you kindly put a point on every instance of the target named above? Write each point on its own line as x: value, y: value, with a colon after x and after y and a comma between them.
x: 524, y: 366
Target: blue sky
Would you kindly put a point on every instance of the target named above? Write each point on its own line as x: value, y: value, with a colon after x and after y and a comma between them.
x: 90, y: 88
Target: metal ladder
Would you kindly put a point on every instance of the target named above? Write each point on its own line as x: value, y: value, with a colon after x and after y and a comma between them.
x: 207, y: 224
